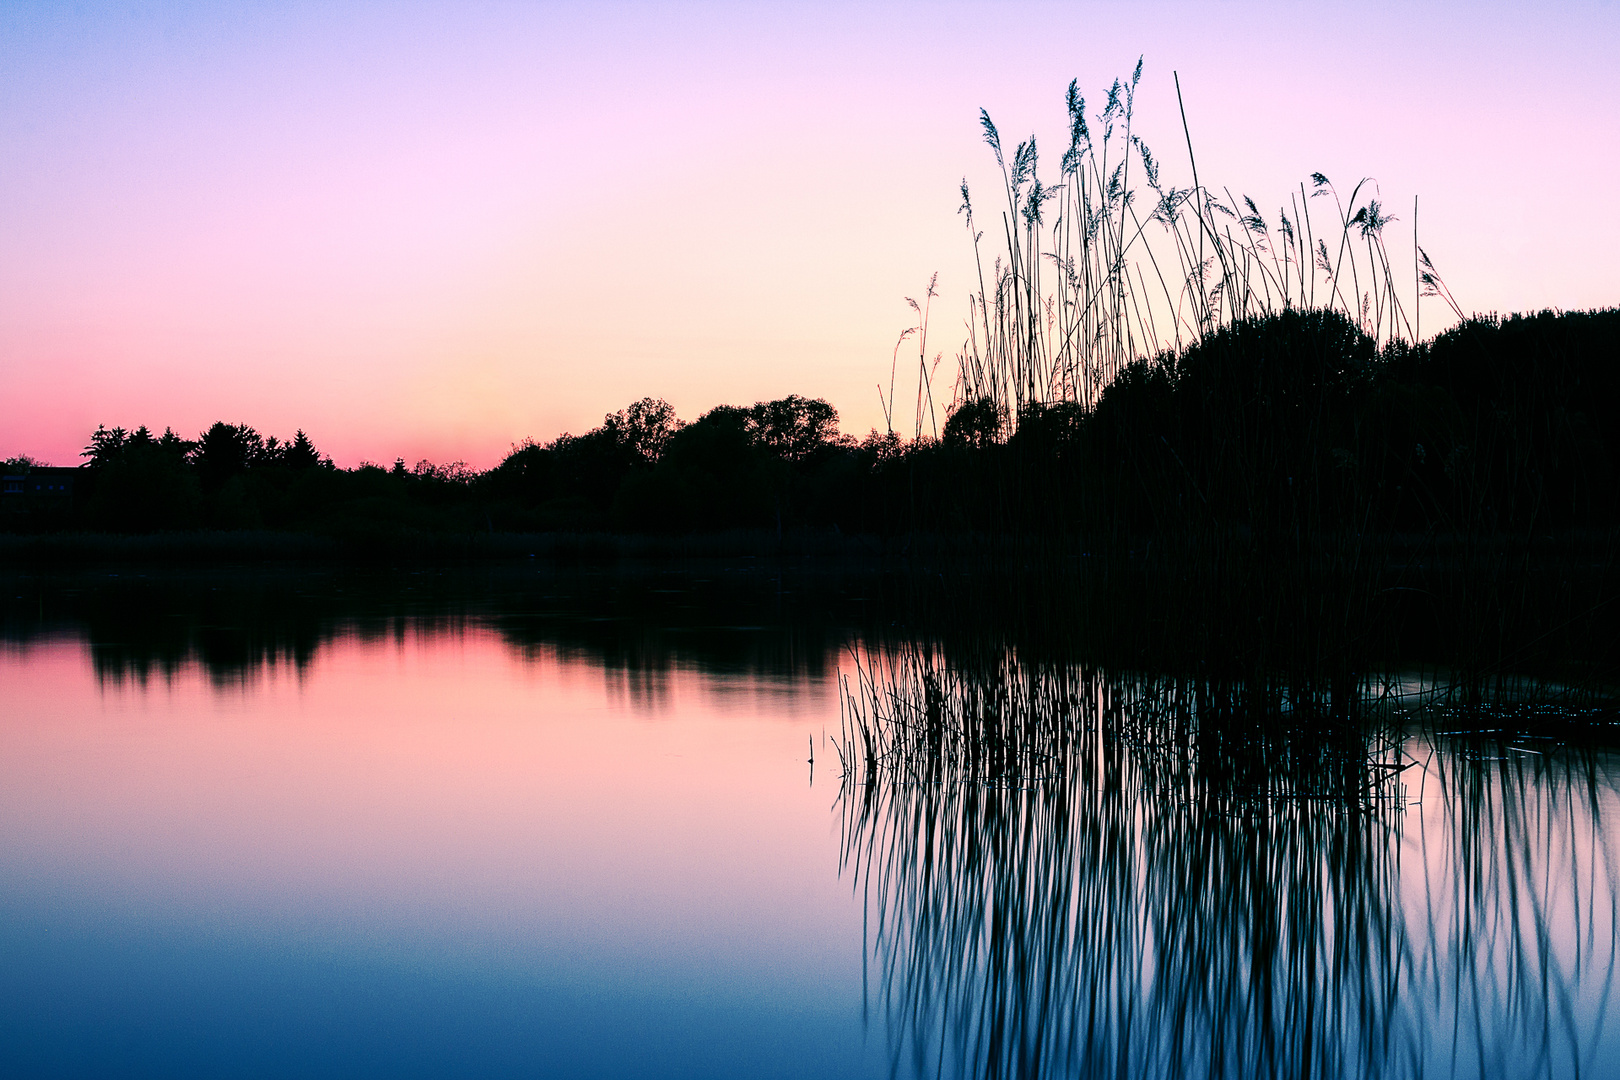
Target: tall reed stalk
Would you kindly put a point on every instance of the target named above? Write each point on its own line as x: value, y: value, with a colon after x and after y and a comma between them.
x: 1110, y: 262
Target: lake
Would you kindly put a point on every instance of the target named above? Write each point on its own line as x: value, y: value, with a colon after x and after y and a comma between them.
x: 567, y: 825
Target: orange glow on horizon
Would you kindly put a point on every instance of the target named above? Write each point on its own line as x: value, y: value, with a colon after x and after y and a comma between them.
x: 426, y: 235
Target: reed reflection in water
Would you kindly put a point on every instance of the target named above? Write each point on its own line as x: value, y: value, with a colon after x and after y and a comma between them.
x: 1070, y: 873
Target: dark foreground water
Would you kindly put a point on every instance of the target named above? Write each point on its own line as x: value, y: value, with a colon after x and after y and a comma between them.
x: 310, y: 829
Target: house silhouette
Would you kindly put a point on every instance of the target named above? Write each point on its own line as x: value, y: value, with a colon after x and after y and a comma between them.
x: 40, y: 487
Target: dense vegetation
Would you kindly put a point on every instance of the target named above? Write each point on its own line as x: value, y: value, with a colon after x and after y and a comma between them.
x: 1276, y: 426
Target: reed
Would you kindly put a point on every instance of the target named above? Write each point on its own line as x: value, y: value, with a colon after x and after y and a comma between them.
x: 1110, y: 262
x: 992, y: 716
x: 1178, y: 886
x: 1231, y: 410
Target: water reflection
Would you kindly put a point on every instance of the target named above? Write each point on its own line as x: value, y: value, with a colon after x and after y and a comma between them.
x: 439, y: 847
x: 1153, y: 878
x: 640, y: 625
x: 1513, y: 920
x: 1064, y: 871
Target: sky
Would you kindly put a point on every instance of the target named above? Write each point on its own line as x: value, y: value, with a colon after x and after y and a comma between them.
x: 431, y: 231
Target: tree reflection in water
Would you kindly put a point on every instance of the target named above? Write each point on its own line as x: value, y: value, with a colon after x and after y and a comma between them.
x: 1072, y: 874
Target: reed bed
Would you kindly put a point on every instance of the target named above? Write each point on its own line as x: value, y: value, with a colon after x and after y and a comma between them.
x: 1222, y: 419
x: 1139, y: 876
x: 908, y: 715
x: 1110, y: 262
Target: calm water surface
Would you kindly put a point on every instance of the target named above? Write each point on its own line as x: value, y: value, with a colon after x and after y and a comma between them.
x: 397, y: 845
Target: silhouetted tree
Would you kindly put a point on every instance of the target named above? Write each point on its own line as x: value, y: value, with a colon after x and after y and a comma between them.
x: 301, y: 453
x: 226, y: 450
x: 643, y: 428
x: 974, y: 423
x: 138, y: 483
x: 1272, y: 429
x: 105, y: 444
x: 793, y: 427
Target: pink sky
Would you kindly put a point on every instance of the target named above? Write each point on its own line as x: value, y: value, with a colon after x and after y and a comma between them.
x: 425, y: 231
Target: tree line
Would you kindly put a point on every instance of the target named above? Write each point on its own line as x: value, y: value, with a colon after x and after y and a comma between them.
x: 1286, y: 423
